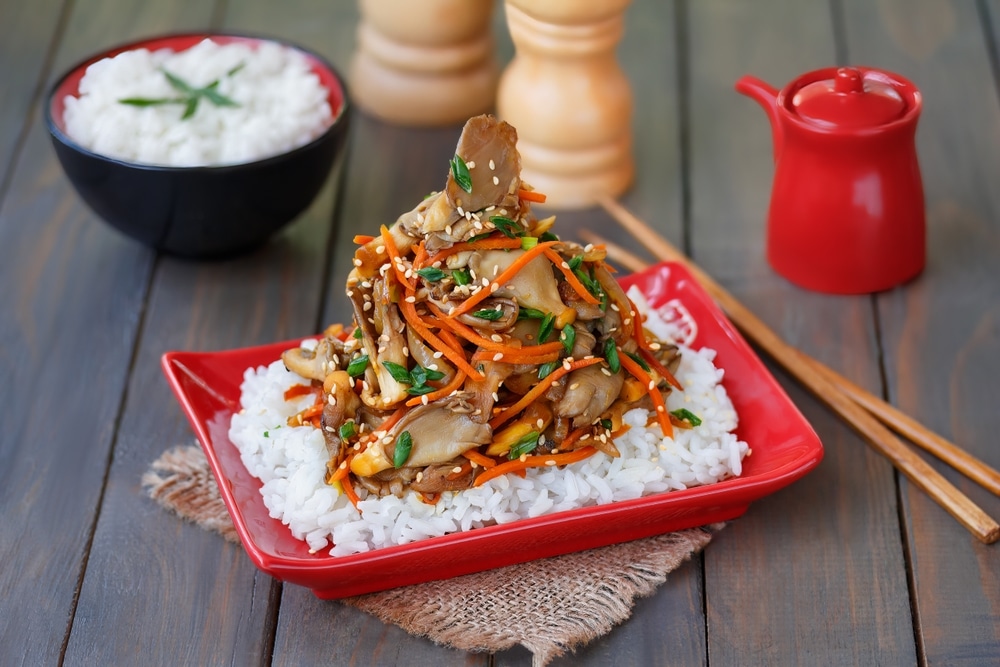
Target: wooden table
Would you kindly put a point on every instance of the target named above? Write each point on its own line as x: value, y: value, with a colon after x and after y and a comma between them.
x: 852, y: 565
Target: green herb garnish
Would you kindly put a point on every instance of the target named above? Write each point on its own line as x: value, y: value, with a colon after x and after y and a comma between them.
x: 404, y: 443
x: 545, y: 328
x: 686, y: 415
x: 347, y: 430
x: 357, y: 366
x: 510, y: 228
x: 611, y: 354
x: 568, y: 338
x: 530, y: 314
x: 525, y: 444
x: 606, y: 424
x: 461, y: 277
x: 417, y: 378
x: 460, y: 172
x: 489, y: 314
x: 639, y: 360
x: 358, y: 333
x: 189, y: 95
x: 431, y: 274
x: 548, y: 236
x: 528, y: 242
x: 546, y: 369
x: 575, y: 262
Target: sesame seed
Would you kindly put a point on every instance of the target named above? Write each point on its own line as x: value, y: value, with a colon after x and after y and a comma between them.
x: 408, y: 273
x: 494, y: 287
x: 496, y: 181
x: 438, y: 354
x: 565, y: 265
x: 489, y: 208
x: 585, y: 436
x: 486, y: 282
x: 540, y: 423
x: 350, y: 293
x: 420, y: 217
x: 654, y: 346
x: 503, y: 211
x: 460, y: 210
x: 493, y: 165
x: 615, y: 307
x: 550, y: 462
x: 329, y: 429
x: 367, y: 306
x: 457, y: 469
x: 357, y: 262
x: 357, y: 446
x: 498, y: 356
x: 420, y: 475
x: 406, y: 351
x: 660, y: 408
x: 471, y: 165
x: 541, y: 440
x: 380, y: 250
x: 522, y: 458
x: 496, y: 269
x: 424, y: 400
x: 627, y: 321
x: 575, y: 385
x: 605, y: 371
x: 495, y: 397
x: 651, y: 386
x: 332, y: 400
x: 410, y: 299
x: 496, y: 338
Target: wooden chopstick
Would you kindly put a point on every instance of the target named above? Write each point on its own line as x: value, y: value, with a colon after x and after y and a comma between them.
x: 852, y: 403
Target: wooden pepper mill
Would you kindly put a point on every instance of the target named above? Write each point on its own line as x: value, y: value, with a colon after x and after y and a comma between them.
x: 569, y: 99
x: 424, y: 63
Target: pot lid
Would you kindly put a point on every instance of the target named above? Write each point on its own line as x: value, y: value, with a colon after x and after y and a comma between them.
x: 848, y: 100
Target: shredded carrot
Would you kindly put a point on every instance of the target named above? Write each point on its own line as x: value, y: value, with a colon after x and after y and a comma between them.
x: 540, y: 388
x: 504, y: 276
x: 536, y: 461
x: 664, y: 372
x: 518, y: 355
x: 429, y: 498
x: 571, y: 278
x: 462, y: 470
x: 531, y: 195
x: 341, y: 472
x: 471, y: 335
x: 658, y: 403
x: 572, y: 438
x: 499, y: 242
x: 620, y: 432
x: 348, y: 487
x: 480, y: 459
x: 419, y: 255
x: 454, y: 355
x: 681, y: 423
x: 299, y: 390
x: 361, y: 239
x: 395, y: 260
x: 453, y: 385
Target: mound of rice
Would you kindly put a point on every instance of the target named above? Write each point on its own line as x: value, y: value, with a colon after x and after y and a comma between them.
x: 291, y: 463
x: 282, y: 105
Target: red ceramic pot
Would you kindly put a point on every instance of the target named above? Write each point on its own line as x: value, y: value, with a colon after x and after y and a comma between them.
x: 847, y: 205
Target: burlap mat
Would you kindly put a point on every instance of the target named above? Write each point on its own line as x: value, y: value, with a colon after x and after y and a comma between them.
x: 561, y: 603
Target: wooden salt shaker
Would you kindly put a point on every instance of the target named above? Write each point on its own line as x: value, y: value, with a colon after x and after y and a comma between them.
x: 569, y: 99
x: 424, y: 63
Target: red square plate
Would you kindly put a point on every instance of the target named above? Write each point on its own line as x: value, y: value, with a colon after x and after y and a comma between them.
x: 784, y: 448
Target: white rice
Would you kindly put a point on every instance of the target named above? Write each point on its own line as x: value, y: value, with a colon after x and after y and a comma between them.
x: 291, y: 462
x: 282, y: 105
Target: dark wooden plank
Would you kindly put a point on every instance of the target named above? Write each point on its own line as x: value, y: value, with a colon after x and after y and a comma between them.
x: 72, y: 293
x: 201, y: 601
x: 814, y: 572
x: 27, y: 34
x: 942, y: 332
x: 648, y: 54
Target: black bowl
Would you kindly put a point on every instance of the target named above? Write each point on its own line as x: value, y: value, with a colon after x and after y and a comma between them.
x: 200, y: 212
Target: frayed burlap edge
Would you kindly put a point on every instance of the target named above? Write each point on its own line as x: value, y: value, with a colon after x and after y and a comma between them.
x: 561, y: 603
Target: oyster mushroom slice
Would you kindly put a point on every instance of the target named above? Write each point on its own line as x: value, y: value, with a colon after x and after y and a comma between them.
x: 438, y: 434
x: 486, y: 141
x: 312, y: 364
x: 589, y: 392
x: 534, y: 286
x: 383, y: 340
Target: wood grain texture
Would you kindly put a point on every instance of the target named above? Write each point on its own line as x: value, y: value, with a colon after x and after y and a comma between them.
x: 767, y: 572
x: 27, y: 34
x: 942, y: 333
x: 64, y: 274
x: 178, y: 578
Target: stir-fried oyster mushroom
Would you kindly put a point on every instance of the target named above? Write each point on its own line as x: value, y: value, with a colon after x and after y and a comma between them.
x: 432, y: 385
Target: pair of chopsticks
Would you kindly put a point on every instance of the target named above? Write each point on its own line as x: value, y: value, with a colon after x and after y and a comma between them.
x: 871, y: 417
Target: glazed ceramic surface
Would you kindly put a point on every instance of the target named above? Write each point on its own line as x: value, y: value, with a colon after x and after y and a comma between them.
x: 784, y: 448
x: 847, y: 203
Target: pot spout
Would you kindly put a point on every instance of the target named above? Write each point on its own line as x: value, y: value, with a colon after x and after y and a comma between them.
x: 767, y: 96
